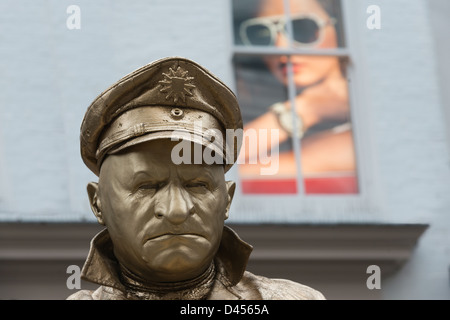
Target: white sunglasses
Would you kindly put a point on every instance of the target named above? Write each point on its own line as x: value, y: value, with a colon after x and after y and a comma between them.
x: 307, y: 30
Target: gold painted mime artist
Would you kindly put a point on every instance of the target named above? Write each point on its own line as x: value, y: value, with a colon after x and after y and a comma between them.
x: 165, y: 236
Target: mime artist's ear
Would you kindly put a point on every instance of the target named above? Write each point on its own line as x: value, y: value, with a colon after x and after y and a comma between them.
x: 92, y: 190
x: 231, y: 187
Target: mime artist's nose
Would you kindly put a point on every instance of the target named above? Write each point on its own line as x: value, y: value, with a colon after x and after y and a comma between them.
x: 175, y: 205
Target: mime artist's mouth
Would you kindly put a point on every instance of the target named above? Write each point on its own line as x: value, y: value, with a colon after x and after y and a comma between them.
x: 170, y: 235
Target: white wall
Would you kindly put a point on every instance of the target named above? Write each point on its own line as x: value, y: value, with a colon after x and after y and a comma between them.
x: 410, y: 143
x: 49, y: 76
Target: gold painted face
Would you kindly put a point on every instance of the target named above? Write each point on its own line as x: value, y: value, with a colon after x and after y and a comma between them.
x: 165, y: 220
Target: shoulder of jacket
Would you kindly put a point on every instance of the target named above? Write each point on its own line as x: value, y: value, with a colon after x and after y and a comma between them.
x: 280, y: 289
x: 101, y: 293
x: 81, y: 295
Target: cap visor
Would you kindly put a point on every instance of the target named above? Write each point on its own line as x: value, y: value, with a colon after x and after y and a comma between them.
x: 173, y: 136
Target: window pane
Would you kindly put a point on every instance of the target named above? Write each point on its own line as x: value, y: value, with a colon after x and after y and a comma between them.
x: 322, y: 107
x: 315, y: 23
x: 265, y: 145
x: 322, y: 104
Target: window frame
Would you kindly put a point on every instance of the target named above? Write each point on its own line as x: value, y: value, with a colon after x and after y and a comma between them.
x: 301, y: 207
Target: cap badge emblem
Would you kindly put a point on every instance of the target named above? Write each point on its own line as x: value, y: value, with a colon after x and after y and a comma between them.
x: 177, y: 84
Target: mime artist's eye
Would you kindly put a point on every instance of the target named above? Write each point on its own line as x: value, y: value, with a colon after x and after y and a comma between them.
x: 196, y: 185
x: 151, y: 186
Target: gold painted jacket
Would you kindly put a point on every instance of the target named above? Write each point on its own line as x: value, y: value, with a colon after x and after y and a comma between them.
x: 225, y: 280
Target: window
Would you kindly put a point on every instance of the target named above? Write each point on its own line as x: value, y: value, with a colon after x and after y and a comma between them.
x: 290, y: 63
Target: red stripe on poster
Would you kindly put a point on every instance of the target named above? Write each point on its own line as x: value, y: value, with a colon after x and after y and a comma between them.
x: 322, y: 185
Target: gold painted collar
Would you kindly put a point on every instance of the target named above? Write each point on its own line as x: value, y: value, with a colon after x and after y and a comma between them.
x: 102, y: 267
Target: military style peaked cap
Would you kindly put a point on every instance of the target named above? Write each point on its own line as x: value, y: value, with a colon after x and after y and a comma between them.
x: 169, y: 95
